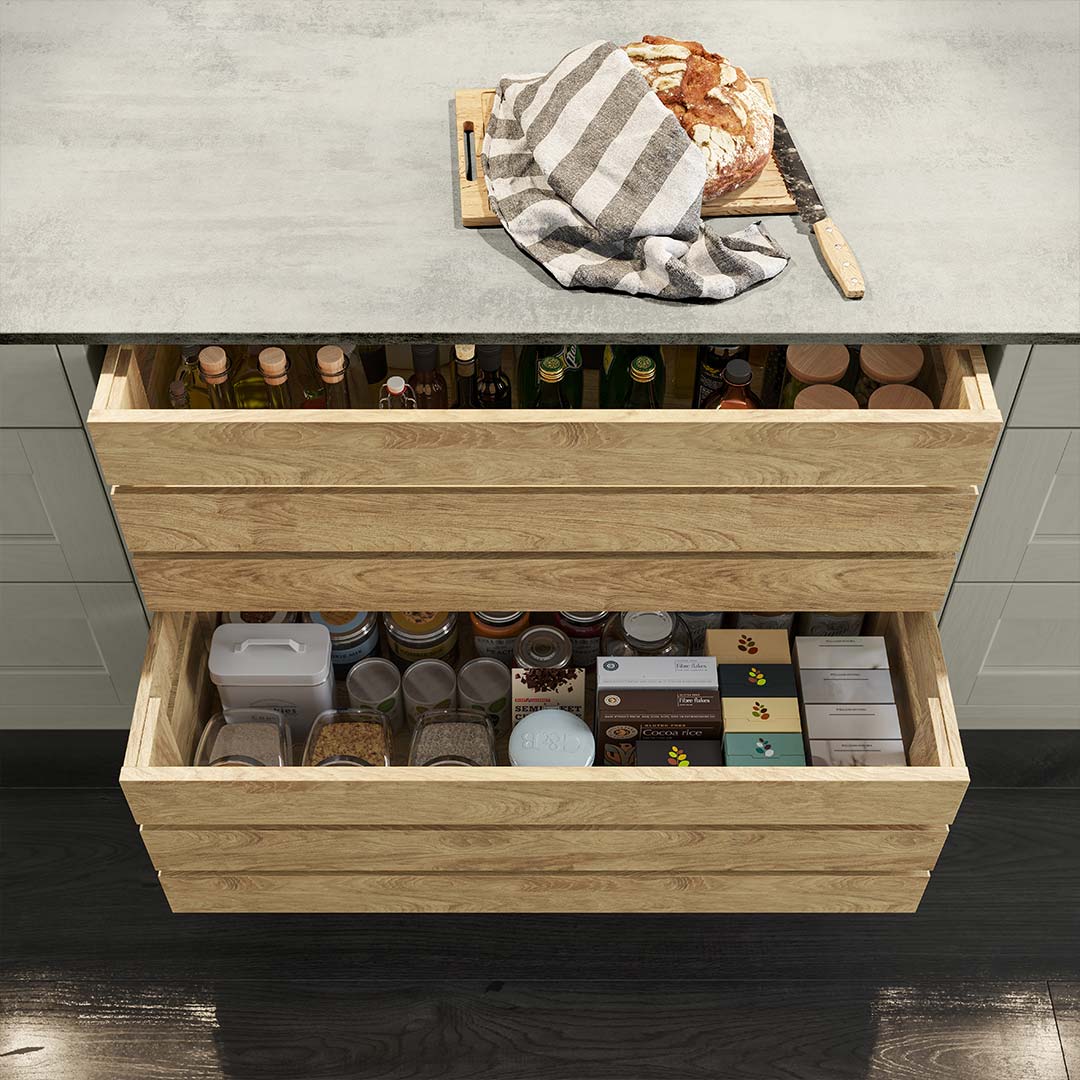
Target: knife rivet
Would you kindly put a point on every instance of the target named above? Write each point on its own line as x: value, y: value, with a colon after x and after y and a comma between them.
x: 838, y: 246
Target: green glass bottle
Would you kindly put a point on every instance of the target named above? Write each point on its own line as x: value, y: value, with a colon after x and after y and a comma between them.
x: 642, y: 392
x: 615, y: 374
x: 217, y: 373
x: 274, y: 365
x: 528, y: 373
x: 188, y: 373
x: 551, y: 393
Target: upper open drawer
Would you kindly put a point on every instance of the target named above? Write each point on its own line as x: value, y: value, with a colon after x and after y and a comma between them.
x: 143, y: 447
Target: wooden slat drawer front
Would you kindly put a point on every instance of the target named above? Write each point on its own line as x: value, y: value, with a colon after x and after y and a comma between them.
x: 408, y: 839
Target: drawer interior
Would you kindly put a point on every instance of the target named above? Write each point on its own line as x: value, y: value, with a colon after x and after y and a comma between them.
x: 533, y: 839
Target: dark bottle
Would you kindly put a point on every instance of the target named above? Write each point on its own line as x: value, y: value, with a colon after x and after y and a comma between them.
x: 188, y: 373
x: 274, y: 365
x: 373, y: 361
x: 551, y: 393
x: 332, y: 365
x: 736, y: 393
x: 642, y: 391
x: 427, y: 380
x: 217, y: 374
x: 493, y: 387
x: 178, y: 395
x: 528, y: 373
x: 465, y: 376
x: 615, y: 374
x: 709, y: 370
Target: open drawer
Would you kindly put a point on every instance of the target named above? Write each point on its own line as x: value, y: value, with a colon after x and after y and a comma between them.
x: 540, y: 840
x: 531, y: 509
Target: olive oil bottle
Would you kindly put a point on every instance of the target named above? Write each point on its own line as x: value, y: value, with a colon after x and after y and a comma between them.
x: 615, y: 374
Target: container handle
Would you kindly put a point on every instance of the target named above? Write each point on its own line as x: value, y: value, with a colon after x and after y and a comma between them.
x: 290, y: 643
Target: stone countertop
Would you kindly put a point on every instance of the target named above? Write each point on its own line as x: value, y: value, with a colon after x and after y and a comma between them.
x: 222, y: 169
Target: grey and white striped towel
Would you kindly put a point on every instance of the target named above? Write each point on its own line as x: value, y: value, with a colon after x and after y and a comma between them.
x: 593, y: 177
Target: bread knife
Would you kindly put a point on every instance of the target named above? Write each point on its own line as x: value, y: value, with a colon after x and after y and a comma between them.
x: 839, y: 258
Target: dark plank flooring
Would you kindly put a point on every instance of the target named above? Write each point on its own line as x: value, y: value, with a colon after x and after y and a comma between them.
x: 99, y: 980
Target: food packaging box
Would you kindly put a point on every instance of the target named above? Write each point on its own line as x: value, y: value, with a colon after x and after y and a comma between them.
x: 857, y: 752
x: 680, y: 754
x: 841, y: 652
x: 751, y: 680
x: 759, y: 714
x: 754, y: 646
x: 767, y: 745
x: 758, y: 761
x: 547, y: 688
x: 663, y: 698
x: 857, y: 686
x: 852, y: 722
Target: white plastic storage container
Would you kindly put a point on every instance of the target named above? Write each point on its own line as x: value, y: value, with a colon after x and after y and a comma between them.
x: 282, y: 667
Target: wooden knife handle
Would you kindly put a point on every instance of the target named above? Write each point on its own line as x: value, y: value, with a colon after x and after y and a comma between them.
x: 839, y: 258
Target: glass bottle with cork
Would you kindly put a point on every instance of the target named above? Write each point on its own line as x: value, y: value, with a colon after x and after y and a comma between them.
x: 427, y: 380
x: 191, y: 378
x: 332, y: 365
x: 217, y: 374
x: 736, y: 393
x: 464, y: 376
x: 274, y: 365
x: 709, y: 370
x: 551, y: 393
x: 493, y: 387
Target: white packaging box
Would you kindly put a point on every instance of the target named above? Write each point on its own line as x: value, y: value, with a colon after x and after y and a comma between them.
x: 857, y: 686
x: 841, y: 652
x: 857, y: 752
x: 845, y: 721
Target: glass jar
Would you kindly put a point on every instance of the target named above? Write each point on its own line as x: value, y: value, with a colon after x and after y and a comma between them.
x: 765, y: 620
x: 254, y: 617
x: 825, y: 396
x: 353, y: 635
x: 552, y: 737
x: 899, y: 396
x: 697, y: 622
x: 494, y: 632
x: 245, y: 737
x: 453, y: 737
x: 584, y: 629
x: 813, y: 365
x: 886, y: 365
x: 421, y: 635
x: 645, y: 633
x: 831, y: 623
x: 543, y: 647
x: 348, y: 737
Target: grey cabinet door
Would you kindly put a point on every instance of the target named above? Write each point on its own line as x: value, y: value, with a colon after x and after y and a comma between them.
x: 1028, y: 523
x: 1049, y: 395
x: 34, y: 390
x: 1013, y: 652
x: 69, y: 654
x: 55, y: 522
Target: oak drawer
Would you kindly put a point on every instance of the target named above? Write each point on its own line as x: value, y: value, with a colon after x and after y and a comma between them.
x: 542, y: 840
x: 527, y: 509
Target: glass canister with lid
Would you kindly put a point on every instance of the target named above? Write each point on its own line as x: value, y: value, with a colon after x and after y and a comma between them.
x: 645, y: 633
x: 886, y: 365
x: 349, y: 737
x: 814, y: 365
x: 698, y: 622
x: 421, y: 635
x: 353, y: 635
x: 453, y: 737
x: 543, y: 647
x: 244, y: 738
x: 494, y: 632
x: 584, y: 629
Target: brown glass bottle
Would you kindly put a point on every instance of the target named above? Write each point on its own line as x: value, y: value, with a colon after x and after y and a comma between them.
x: 427, y: 380
x: 736, y: 392
x: 493, y: 387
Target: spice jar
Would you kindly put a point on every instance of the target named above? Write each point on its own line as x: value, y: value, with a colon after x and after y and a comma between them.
x: 257, y: 617
x: 899, y: 396
x: 421, y: 635
x: 825, y: 396
x: 886, y: 365
x: 584, y: 629
x: 765, y: 620
x: 453, y: 737
x: 348, y: 737
x: 645, y: 633
x: 543, y: 647
x: 245, y: 737
x: 353, y: 635
x: 494, y: 632
x: 552, y: 737
x: 813, y: 365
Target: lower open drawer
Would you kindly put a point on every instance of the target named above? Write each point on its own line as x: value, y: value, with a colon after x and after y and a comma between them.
x: 540, y: 840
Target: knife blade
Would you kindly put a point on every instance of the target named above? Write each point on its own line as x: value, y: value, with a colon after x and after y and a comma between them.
x: 838, y: 256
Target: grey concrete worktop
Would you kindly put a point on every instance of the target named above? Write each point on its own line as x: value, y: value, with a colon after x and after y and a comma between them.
x: 197, y: 168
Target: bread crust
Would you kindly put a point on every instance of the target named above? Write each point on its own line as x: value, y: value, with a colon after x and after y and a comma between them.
x: 719, y: 107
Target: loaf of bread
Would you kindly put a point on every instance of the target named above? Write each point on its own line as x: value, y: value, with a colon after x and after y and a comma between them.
x: 722, y: 111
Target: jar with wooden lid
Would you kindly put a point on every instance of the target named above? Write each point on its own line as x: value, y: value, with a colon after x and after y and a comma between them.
x: 813, y: 365
x: 421, y: 635
x: 899, y: 396
x: 886, y: 365
x: 494, y: 632
x: 825, y: 396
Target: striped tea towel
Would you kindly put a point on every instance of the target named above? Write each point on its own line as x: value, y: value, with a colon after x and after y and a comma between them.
x: 592, y: 175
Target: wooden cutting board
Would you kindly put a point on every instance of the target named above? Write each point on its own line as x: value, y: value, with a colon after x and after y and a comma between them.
x: 765, y: 195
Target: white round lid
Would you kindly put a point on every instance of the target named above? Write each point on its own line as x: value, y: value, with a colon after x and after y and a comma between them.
x: 552, y: 737
x: 648, y: 626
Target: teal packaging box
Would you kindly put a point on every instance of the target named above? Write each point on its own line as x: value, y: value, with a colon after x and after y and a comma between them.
x: 758, y: 762
x: 752, y: 748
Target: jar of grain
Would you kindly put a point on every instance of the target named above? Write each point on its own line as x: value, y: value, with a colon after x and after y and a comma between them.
x: 245, y: 737
x: 453, y: 737
x: 348, y: 737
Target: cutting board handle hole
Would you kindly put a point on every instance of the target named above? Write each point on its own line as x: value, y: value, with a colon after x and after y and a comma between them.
x: 470, y: 150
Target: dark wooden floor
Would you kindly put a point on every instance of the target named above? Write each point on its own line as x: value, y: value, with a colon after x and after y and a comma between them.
x: 98, y: 981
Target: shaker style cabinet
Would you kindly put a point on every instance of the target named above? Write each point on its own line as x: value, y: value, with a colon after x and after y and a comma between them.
x: 531, y: 509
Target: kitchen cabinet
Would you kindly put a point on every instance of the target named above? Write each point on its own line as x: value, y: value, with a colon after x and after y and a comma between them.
x: 594, y: 509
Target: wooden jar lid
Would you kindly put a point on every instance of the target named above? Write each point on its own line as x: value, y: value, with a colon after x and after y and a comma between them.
x: 899, y: 396
x: 891, y: 363
x: 818, y: 363
x: 825, y: 396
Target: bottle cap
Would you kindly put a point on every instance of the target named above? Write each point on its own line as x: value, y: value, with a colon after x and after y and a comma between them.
x: 643, y: 369
x: 489, y: 357
x: 818, y: 363
x: 178, y: 390
x: 395, y: 385
x: 738, y: 373
x: 824, y: 396
x: 331, y: 363
x: 552, y: 369
x: 214, y: 364
x: 425, y: 356
x: 274, y: 365
x: 891, y: 363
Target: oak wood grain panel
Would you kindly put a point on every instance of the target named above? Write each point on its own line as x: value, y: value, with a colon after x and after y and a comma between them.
x: 542, y: 448
x: 509, y: 796
x: 367, y: 519
x: 543, y: 893
x: 530, y: 849
x: 544, y: 582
